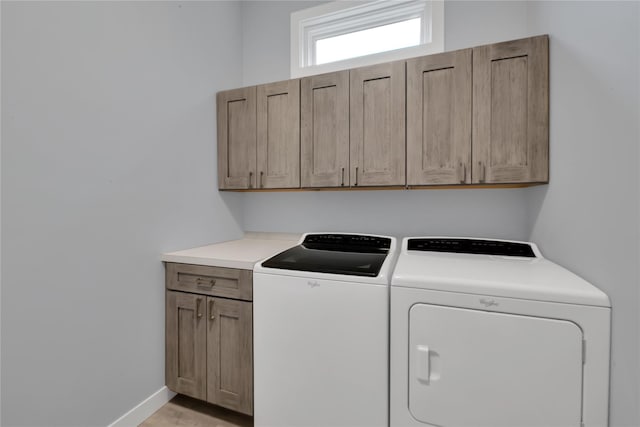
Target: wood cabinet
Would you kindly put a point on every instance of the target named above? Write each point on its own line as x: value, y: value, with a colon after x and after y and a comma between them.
x: 473, y: 116
x: 439, y: 119
x: 186, y: 338
x: 259, y: 136
x: 377, y: 128
x: 511, y: 111
x: 353, y: 131
x: 324, y: 138
x: 278, y: 135
x: 237, y: 138
x: 230, y: 354
x: 209, y: 341
x: 214, y: 281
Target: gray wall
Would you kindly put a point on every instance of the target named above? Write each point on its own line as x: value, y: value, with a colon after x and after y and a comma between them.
x: 587, y: 218
x: 108, y: 160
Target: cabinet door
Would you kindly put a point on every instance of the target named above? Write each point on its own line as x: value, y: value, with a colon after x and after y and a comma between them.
x: 377, y: 129
x: 511, y: 111
x: 237, y: 138
x: 186, y: 344
x: 439, y: 119
x: 279, y: 135
x: 324, y: 140
x: 230, y: 354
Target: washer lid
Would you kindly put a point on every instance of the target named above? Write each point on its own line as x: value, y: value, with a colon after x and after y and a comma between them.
x: 533, y: 278
x: 362, y: 258
x: 337, y: 260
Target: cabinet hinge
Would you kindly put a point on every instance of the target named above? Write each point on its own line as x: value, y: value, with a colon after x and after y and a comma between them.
x: 584, y: 355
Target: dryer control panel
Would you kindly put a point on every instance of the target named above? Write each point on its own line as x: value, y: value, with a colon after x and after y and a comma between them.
x: 472, y: 246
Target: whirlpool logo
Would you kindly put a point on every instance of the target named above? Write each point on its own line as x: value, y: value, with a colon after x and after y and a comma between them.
x: 487, y: 302
x: 313, y: 284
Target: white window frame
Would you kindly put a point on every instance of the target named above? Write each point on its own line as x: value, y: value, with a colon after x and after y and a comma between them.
x: 341, y: 17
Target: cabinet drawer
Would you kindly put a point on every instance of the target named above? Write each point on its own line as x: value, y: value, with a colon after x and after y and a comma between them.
x: 215, y: 281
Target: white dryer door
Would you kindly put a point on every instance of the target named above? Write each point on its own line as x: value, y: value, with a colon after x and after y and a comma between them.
x: 479, y: 368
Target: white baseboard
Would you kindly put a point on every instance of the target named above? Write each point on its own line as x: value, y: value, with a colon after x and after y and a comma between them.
x: 144, y: 409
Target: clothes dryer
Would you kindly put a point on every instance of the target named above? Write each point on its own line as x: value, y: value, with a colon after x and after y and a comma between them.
x: 490, y: 333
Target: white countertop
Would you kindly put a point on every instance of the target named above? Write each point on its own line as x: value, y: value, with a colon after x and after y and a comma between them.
x: 242, y: 253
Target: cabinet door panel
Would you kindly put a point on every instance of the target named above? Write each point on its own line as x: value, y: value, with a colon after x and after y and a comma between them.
x: 377, y: 129
x: 325, y: 130
x: 439, y: 119
x: 237, y: 138
x: 511, y: 111
x: 278, y: 124
x: 185, y: 344
x: 230, y: 354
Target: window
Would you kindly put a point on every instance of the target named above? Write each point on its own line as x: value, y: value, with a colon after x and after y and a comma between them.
x: 339, y: 35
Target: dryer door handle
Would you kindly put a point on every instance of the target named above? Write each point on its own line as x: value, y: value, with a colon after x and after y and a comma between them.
x: 422, y: 359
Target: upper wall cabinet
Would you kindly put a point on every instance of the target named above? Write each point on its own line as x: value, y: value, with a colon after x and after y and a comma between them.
x: 377, y: 129
x: 324, y: 142
x: 439, y: 119
x: 259, y: 137
x: 511, y: 111
x: 353, y: 127
x: 237, y: 138
x: 472, y: 116
x: 278, y: 130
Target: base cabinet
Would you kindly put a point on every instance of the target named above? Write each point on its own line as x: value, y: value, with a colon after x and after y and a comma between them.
x: 209, y: 349
x: 186, y: 341
x: 230, y: 354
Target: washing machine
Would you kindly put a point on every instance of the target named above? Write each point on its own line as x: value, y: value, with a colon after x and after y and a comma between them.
x: 321, y: 332
x: 490, y: 333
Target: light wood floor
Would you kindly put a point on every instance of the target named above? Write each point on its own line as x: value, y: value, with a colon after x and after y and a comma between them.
x: 183, y: 411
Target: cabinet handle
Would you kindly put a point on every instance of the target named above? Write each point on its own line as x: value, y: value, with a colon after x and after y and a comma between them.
x: 342, y: 177
x: 261, y: 185
x: 464, y: 173
x: 198, y: 312
x: 484, y: 172
x: 211, y: 315
x: 205, y: 282
x: 250, y: 179
x: 356, y: 184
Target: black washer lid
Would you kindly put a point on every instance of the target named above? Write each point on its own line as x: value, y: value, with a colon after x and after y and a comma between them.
x: 346, y: 254
x: 471, y: 246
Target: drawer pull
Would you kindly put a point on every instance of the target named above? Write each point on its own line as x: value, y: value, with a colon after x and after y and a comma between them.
x: 204, y: 283
x: 211, y: 315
